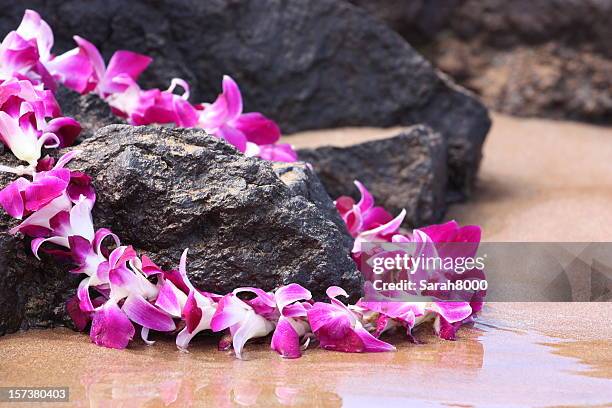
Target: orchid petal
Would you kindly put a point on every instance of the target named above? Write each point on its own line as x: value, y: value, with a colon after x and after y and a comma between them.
x: 233, y: 136
x: 182, y: 83
x: 144, y: 335
x: 170, y: 299
x: 81, y: 220
x: 66, y: 129
x: 124, y: 63
x: 67, y: 158
x: 370, y: 343
x: 230, y: 311
x: 11, y: 199
x: 232, y: 96
x: 40, y: 219
x: 79, y: 317
x: 73, y: 69
x: 266, y: 298
x: 83, y: 295
x: 257, y: 128
x: 34, y: 27
x: 252, y: 326
x: 100, y: 236
x: 388, y: 228
x: 96, y: 60
x: 138, y: 310
x: 335, y: 291
x: 367, y: 201
x: 110, y: 327
x: 192, y: 313
x: 288, y: 294
x: 285, y: 340
x: 38, y: 242
x: 279, y: 152
x: 452, y: 311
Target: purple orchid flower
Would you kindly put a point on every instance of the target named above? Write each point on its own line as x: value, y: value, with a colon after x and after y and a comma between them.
x: 449, y: 316
x: 17, y: 56
x: 144, y: 107
x: 292, y: 326
x: 48, y: 198
x: 95, y: 76
x: 24, y: 128
x: 338, y: 328
x: 196, y: 308
x: 251, y: 133
x: 380, y: 317
x: 242, y: 319
x: 362, y: 216
x: 121, y: 277
x: 365, y: 221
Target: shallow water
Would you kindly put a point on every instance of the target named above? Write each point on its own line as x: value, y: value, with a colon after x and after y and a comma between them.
x: 496, y: 363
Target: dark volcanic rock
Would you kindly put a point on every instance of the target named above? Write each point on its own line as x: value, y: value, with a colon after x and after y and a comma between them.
x: 89, y: 110
x: 306, y: 64
x: 406, y: 171
x: 164, y: 190
x: 418, y: 21
x: 534, y: 58
x: 303, y: 181
x: 32, y: 292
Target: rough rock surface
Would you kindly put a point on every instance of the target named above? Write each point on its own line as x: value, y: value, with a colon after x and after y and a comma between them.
x: 406, y: 171
x: 32, y: 292
x: 164, y: 190
x: 306, y: 64
x: 536, y: 58
x: 303, y: 181
x: 89, y: 110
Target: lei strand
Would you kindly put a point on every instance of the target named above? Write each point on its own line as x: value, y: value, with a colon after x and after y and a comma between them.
x: 122, y: 291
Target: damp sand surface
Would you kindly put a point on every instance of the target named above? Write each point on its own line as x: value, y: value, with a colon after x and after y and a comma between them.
x: 540, y: 181
x: 517, y: 355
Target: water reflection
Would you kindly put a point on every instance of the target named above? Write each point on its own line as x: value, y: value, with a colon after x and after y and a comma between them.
x: 487, y: 366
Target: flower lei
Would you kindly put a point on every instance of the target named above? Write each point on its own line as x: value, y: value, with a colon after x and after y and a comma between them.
x: 122, y: 291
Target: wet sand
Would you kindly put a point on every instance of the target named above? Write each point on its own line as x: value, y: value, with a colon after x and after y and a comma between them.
x: 493, y: 364
x: 540, y: 180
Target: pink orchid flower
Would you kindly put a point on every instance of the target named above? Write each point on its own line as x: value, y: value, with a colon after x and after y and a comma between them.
x: 17, y: 56
x: 27, y: 53
x: 50, y: 193
x: 144, y: 107
x: 196, y: 308
x: 127, y: 284
x: 248, y: 132
x: 242, y: 319
x: 279, y: 152
x: 361, y: 216
x: 292, y: 324
x: 24, y: 128
x: 111, y: 327
x: 33, y: 27
x: 435, y: 241
x: 338, y: 328
x: 106, y: 80
x: 447, y: 317
x: 383, y: 316
x: 366, y: 222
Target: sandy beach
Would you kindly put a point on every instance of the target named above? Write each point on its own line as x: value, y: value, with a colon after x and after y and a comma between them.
x: 540, y: 180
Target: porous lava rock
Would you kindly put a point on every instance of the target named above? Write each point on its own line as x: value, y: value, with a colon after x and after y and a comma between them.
x: 306, y: 64
x: 33, y: 293
x: 405, y: 171
x: 163, y: 190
